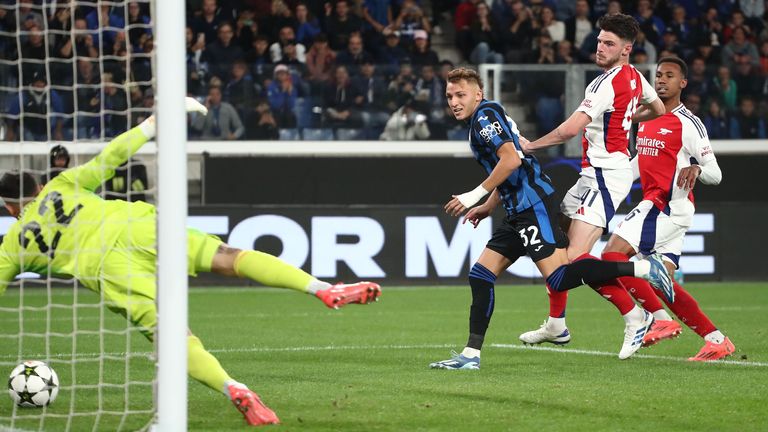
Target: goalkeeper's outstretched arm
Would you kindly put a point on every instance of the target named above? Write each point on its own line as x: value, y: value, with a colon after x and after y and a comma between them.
x: 101, y: 168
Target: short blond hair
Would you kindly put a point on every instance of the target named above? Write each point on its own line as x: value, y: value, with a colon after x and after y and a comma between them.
x: 469, y: 75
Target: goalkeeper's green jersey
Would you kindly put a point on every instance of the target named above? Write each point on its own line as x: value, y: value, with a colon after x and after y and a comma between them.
x: 68, y: 229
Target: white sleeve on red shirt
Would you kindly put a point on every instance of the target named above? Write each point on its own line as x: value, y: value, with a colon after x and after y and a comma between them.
x: 649, y: 93
x: 697, y: 145
x: 598, y: 98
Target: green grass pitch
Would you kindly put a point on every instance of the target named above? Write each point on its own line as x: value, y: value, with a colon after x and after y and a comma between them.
x: 364, y: 368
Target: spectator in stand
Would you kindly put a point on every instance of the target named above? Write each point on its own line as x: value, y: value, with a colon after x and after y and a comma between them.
x: 724, y: 89
x: 462, y: 20
x: 341, y: 24
x: 320, y: 61
x: 747, y: 78
x: 639, y: 57
x: 261, y: 123
x: 650, y: 24
x: 103, y: 17
x: 340, y: 98
x: 84, y: 40
x: 736, y: 20
x: 708, y: 29
x: 764, y: 57
x: 406, y: 124
x: 196, y: 67
x: 377, y: 16
x: 754, y: 13
x: 402, y: 87
x: 259, y: 59
x: 431, y: 89
x: 709, y: 52
x: 355, y: 54
x: 486, y: 37
x: 421, y: 53
x: 208, y: 21
x: 693, y: 104
x: 271, y: 25
x: 670, y: 44
x: 139, y: 25
x: 410, y: 19
x: 240, y: 90
x: 564, y: 54
x: 34, y: 108
x: 680, y: 26
x: 88, y: 84
x: 60, y: 28
x: 579, y: 26
x: 287, y: 35
x: 282, y: 93
x: 33, y: 53
x: 371, y: 99
x: 698, y: 81
x: 246, y: 28
x: 392, y: 55
x: 29, y: 16
x: 116, y: 101
x: 547, y: 22
x: 740, y: 49
x: 642, y: 43
x: 519, y: 38
x: 747, y: 123
x: 222, y: 121
x: 220, y: 55
x: 308, y: 27
x: 716, y: 121
x: 290, y: 59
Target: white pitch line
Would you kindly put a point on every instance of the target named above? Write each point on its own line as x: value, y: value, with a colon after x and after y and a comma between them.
x: 407, y: 347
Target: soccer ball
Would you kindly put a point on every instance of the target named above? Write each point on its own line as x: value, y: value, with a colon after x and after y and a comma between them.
x: 33, y: 384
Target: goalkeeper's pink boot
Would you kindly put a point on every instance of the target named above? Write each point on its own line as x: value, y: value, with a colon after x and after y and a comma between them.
x: 342, y: 294
x: 252, y: 408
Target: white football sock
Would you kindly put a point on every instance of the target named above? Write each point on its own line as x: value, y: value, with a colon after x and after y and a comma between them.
x: 642, y: 268
x: 715, y: 337
x: 662, y: 315
x: 228, y: 383
x: 316, y: 285
x: 636, y: 314
x: 556, y: 324
x: 470, y: 352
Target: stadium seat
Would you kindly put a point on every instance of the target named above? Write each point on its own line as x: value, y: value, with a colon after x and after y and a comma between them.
x: 349, y: 134
x: 289, y: 135
x: 312, y: 134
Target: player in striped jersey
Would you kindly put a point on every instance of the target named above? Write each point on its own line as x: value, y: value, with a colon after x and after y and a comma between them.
x: 530, y: 227
x: 673, y: 151
x: 605, y: 115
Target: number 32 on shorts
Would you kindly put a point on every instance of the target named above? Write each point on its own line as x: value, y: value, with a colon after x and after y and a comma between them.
x: 530, y: 235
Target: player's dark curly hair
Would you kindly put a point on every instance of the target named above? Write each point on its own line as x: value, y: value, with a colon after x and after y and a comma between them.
x: 623, y: 26
x: 470, y: 75
x: 16, y: 186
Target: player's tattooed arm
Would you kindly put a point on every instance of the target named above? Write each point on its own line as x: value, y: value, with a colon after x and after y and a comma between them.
x: 567, y: 130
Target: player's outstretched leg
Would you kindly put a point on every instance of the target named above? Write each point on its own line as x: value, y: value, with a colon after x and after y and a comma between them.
x: 272, y: 271
x: 204, y: 367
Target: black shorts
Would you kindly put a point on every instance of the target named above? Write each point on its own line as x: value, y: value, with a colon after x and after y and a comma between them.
x: 534, y: 232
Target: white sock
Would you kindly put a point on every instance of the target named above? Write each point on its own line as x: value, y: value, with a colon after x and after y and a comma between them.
x: 470, y: 352
x: 716, y: 337
x: 642, y: 268
x: 662, y: 315
x: 636, y: 314
x: 556, y: 324
x: 316, y: 285
x: 228, y: 383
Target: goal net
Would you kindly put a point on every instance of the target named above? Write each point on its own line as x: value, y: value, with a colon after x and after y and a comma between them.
x: 73, y: 75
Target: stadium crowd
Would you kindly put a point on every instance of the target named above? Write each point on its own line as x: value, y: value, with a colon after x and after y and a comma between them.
x: 353, y: 69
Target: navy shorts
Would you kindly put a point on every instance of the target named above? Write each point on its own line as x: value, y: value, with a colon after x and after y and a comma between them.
x: 534, y: 232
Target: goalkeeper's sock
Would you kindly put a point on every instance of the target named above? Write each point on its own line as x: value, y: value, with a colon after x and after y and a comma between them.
x: 274, y: 272
x: 203, y: 366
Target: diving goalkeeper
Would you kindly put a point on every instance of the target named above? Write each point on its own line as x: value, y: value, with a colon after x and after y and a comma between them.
x: 64, y: 228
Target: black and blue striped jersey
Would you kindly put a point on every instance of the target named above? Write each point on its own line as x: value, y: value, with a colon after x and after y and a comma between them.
x: 490, y: 127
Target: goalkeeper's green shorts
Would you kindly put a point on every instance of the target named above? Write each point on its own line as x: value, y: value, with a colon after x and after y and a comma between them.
x: 128, y: 272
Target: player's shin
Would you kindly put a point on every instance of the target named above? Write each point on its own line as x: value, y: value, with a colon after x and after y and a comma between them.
x: 204, y: 367
x: 272, y: 271
x: 481, y: 281
x: 687, y: 309
x: 639, y: 288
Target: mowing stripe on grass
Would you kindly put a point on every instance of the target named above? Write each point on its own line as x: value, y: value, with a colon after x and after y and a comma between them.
x: 407, y: 347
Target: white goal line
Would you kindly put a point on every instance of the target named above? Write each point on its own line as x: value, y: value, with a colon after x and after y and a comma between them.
x: 428, y: 346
